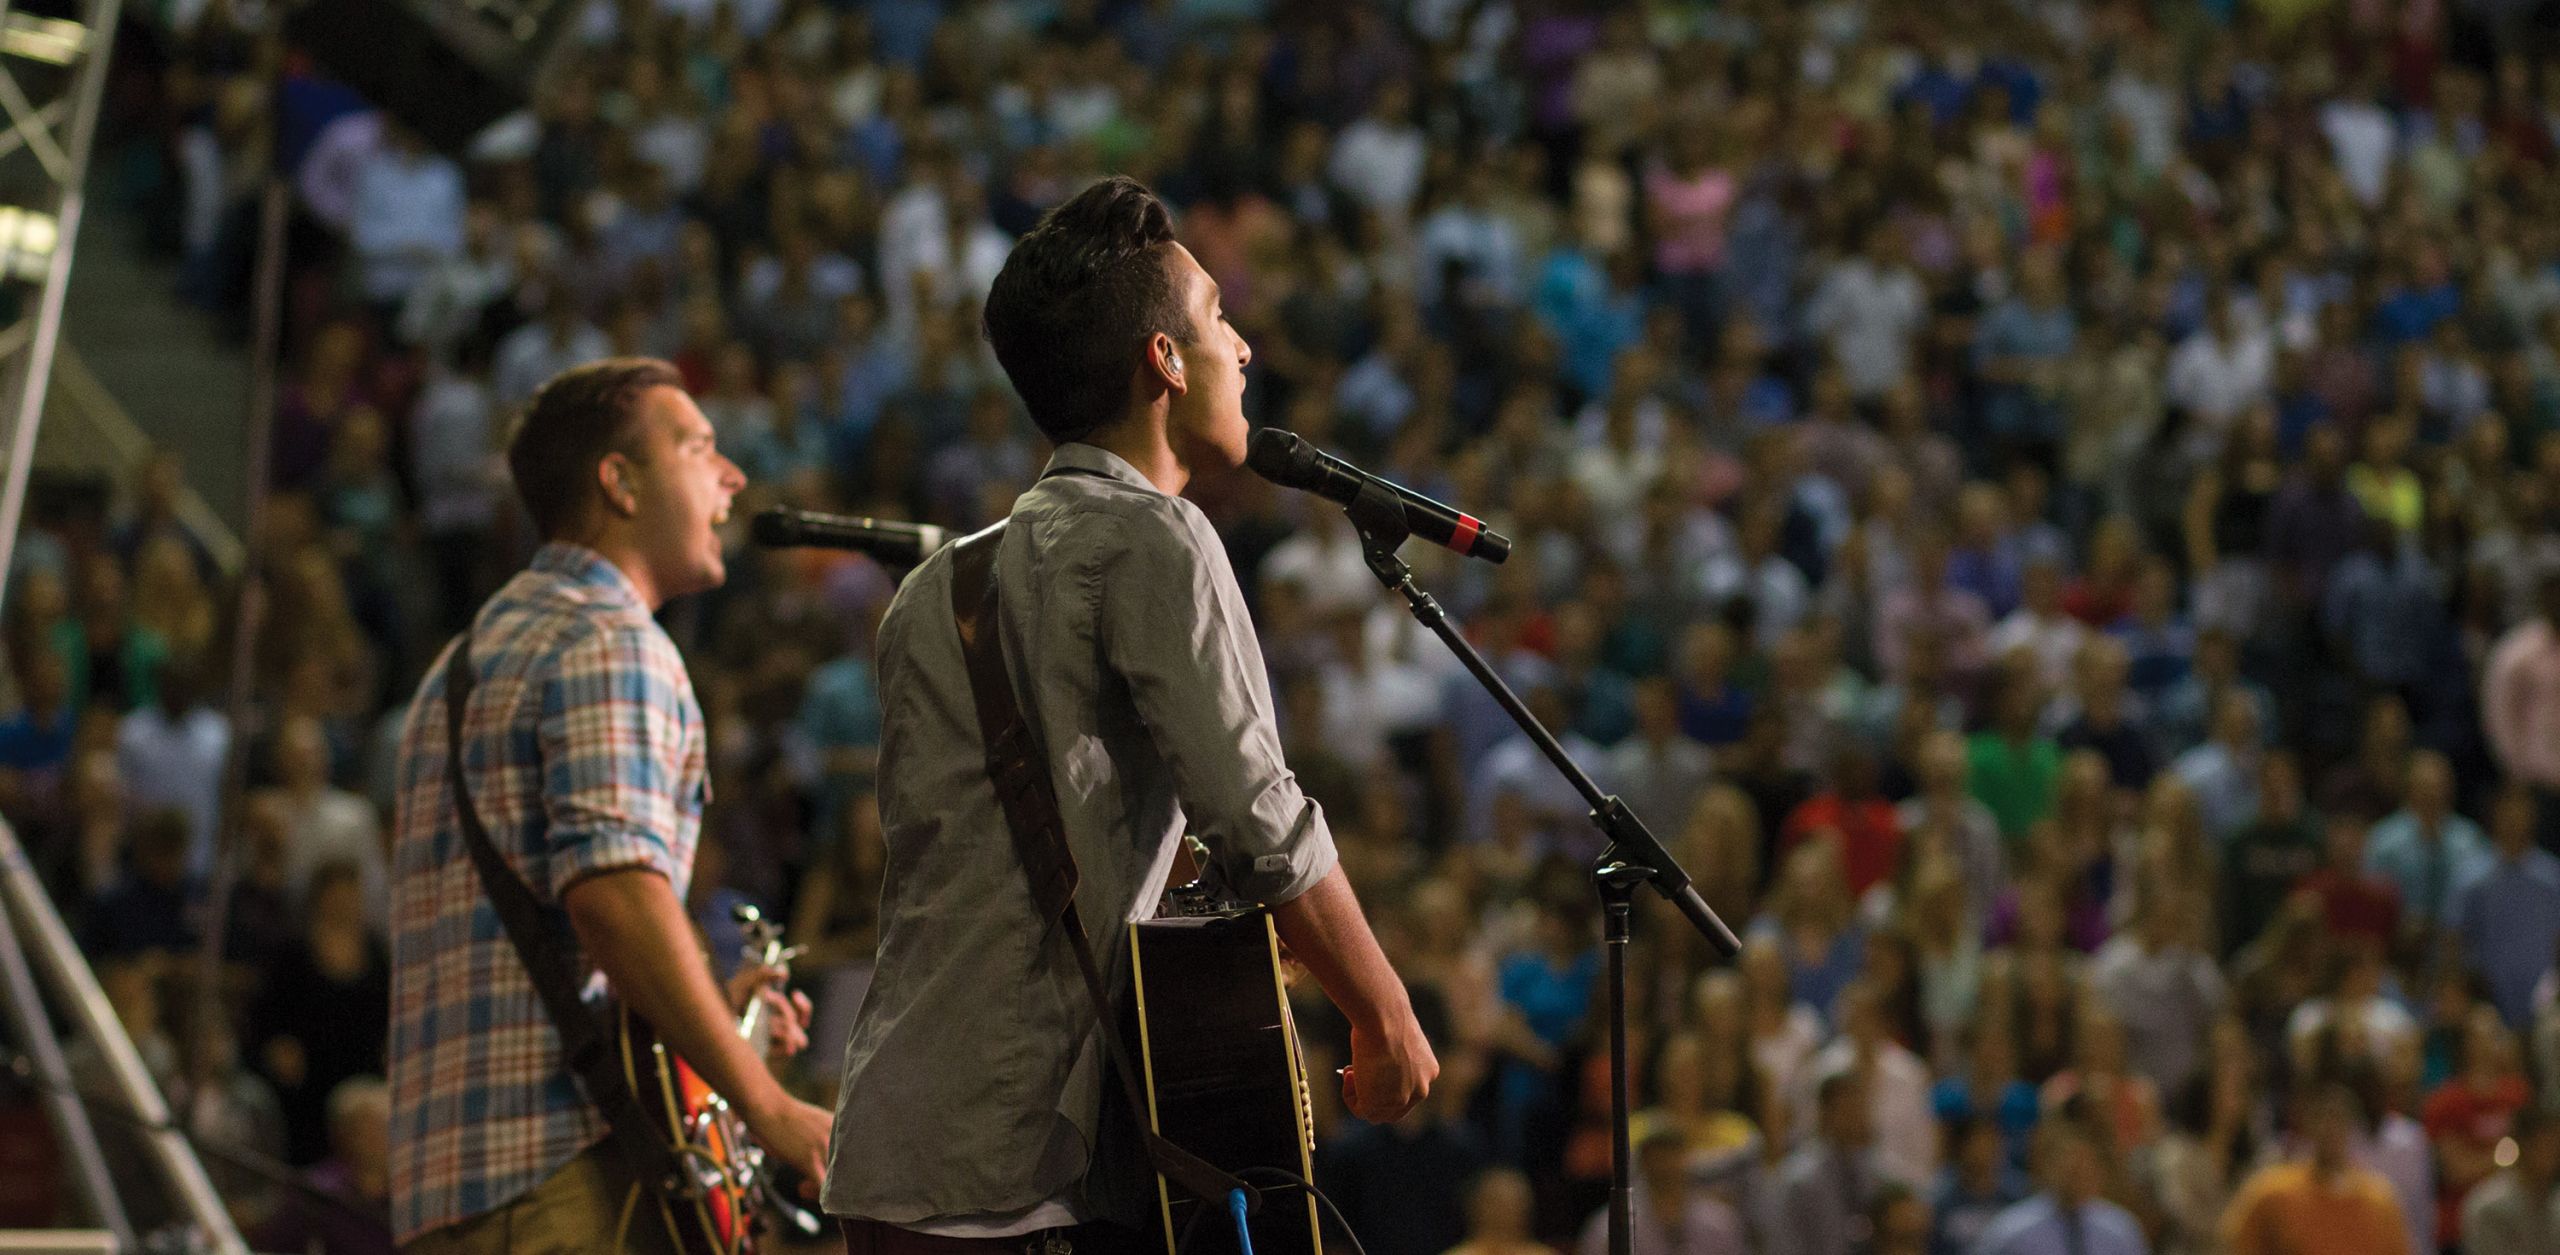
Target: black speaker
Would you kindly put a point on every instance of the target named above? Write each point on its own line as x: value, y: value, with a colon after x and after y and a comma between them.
x: 445, y: 68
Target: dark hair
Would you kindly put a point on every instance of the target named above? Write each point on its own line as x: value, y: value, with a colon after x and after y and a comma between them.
x: 1076, y: 301
x: 575, y: 419
x: 1961, y: 1126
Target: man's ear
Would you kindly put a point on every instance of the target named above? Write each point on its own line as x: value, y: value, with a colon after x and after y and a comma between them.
x: 613, y: 480
x: 1166, y: 362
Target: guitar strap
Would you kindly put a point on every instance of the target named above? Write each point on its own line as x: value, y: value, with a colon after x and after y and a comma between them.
x: 582, y: 1038
x: 1030, y: 800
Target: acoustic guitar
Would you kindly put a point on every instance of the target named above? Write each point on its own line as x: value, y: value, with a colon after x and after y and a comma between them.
x: 716, y: 1205
x: 1224, y: 1077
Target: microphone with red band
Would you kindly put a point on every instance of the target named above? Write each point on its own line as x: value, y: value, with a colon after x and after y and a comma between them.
x: 1290, y: 462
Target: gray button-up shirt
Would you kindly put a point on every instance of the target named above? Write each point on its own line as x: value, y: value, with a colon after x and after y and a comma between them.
x: 974, y: 1078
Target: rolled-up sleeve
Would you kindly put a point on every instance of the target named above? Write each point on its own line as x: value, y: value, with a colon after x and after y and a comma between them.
x: 617, y: 719
x: 1175, y: 629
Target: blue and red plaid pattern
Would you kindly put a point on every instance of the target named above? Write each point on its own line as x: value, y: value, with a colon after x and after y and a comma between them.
x: 586, y: 753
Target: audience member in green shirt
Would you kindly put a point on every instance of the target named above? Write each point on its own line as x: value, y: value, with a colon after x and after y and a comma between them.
x: 2011, y: 768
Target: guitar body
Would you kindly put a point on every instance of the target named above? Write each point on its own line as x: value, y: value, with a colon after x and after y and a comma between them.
x: 1209, y: 1012
x: 717, y: 1216
x: 716, y: 1209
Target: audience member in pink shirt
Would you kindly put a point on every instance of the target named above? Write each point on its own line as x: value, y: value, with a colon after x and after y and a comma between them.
x: 1687, y: 199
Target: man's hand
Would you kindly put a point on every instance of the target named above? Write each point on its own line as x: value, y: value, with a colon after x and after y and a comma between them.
x: 1391, y: 1064
x: 794, y: 1133
x: 633, y: 928
x: 1390, y: 1072
x: 786, y: 1016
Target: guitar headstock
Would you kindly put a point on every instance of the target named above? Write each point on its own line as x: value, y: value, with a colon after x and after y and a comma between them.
x: 763, y: 936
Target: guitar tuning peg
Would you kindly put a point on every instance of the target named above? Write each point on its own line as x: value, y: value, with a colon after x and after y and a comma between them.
x: 746, y: 915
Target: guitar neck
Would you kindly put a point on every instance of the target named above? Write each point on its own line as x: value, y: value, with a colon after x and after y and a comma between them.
x: 754, y: 1026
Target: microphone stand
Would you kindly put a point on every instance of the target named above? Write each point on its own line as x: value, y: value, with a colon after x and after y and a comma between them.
x: 1631, y: 858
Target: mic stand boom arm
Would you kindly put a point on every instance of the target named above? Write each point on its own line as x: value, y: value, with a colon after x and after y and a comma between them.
x: 1632, y: 857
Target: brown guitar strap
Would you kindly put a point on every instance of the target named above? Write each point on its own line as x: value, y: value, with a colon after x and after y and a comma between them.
x: 583, y: 1041
x: 1030, y: 799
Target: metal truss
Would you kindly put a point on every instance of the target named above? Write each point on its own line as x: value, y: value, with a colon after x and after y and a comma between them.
x: 53, y: 71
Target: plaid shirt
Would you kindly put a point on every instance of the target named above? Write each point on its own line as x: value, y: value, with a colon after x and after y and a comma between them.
x: 587, y: 755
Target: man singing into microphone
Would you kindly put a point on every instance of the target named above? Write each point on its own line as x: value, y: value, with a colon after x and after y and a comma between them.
x: 974, y: 1080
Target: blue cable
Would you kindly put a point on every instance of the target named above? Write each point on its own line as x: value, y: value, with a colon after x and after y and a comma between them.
x: 1236, y: 1207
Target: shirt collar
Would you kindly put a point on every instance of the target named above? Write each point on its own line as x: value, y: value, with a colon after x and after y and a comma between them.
x: 586, y: 569
x: 1075, y: 455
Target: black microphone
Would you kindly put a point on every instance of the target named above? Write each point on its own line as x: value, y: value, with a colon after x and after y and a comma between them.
x: 891, y: 543
x: 1290, y: 462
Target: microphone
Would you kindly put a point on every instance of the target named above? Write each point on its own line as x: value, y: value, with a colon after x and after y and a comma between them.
x: 1290, y: 462
x: 890, y: 543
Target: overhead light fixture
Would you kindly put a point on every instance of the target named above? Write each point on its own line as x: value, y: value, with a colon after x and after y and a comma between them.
x: 47, y: 39
x: 27, y: 240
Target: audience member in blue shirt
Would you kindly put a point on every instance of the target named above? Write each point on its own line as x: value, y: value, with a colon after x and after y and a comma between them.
x: 1476, y: 721
x: 1814, y: 922
x: 2161, y: 645
x: 1545, y: 993
x: 2223, y: 772
x: 2299, y: 408
x: 1986, y: 560
x: 902, y: 29
x: 869, y: 364
x: 2217, y: 112
x: 1603, y: 701
x: 155, y: 905
x: 2408, y: 313
x: 1713, y: 707
x: 1946, y: 93
x: 2384, y: 606
x: 1595, y: 307
x: 2068, y: 1218
x: 2428, y: 852
x: 2509, y: 919
x: 1990, y: 1091
x: 2019, y: 352
x: 38, y: 737
x: 1977, y: 1184
x: 1761, y: 249
x: 2016, y: 79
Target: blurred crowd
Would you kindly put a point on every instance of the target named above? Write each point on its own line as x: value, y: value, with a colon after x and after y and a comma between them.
x: 2046, y: 506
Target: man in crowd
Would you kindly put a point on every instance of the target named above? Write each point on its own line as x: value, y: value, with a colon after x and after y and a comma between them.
x: 1820, y: 1202
x: 2068, y: 1217
x: 2325, y: 1202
